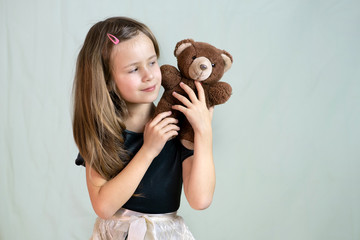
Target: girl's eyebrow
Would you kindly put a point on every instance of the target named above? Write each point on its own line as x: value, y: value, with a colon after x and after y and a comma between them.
x: 135, y: 63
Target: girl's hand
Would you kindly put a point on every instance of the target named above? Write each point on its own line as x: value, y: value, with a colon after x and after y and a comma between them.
x: 195, y: 109
x: 158, y: 131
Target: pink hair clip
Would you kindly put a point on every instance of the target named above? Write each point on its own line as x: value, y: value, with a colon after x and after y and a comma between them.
x: 112, y: 38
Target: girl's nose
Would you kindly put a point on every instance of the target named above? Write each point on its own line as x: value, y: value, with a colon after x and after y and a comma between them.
x: 148, y: 75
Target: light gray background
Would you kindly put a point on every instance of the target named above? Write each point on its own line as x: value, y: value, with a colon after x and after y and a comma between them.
x: 286, y: 144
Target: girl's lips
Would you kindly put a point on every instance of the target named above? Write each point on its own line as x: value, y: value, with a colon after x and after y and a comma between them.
x: 149, y: 89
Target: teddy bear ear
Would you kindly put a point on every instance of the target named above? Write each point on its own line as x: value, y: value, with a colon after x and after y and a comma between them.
x: 182, y: 45
x: 228, y: 60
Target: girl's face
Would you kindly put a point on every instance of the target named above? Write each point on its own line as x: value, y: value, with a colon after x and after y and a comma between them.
x: 135, y: 70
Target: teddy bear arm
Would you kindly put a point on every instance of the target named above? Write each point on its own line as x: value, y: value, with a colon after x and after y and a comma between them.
x: 170, y: 76
x: 165, y: 104
x: 219, y: 93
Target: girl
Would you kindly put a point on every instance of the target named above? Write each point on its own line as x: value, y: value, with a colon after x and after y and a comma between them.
x: 135, y: 166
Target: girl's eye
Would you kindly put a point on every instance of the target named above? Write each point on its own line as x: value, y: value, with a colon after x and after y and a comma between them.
x: 152, y: 63
x: 133, y: 70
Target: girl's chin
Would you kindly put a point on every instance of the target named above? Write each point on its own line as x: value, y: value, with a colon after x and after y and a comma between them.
x: 145, y: 97
x: 150, y: 98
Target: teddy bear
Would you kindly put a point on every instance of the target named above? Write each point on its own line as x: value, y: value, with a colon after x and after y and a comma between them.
x: 197, y: 61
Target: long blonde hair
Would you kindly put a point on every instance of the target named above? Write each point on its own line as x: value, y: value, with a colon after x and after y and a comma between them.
x: 99, y: 110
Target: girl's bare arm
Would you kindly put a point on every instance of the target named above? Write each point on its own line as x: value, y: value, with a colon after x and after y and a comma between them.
x: 107, y: 197
x: 198, y: 170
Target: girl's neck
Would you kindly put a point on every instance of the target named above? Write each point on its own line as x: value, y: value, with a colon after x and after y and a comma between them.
x: 139, y: 115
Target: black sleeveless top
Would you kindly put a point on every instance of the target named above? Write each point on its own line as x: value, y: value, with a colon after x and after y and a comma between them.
x: 160, y: 188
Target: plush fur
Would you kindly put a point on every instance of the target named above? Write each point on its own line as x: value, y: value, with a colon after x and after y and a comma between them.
x: 197, y: 61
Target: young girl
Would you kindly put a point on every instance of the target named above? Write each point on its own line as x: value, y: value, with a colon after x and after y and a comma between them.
x: 135, y: 165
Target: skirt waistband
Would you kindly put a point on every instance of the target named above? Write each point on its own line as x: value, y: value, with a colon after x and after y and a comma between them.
x: 124, y: 213
x: 138, y: 224
x: 128, y: 224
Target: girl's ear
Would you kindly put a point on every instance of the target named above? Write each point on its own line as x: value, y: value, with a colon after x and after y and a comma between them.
x: 182, y: 45
x: 228, y: 60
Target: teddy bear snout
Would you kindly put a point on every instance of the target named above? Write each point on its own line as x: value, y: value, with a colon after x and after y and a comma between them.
x: 203, y: 67
x: 200, y: 69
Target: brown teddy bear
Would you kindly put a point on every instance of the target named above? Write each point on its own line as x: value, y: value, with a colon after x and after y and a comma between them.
x: 197, y: 61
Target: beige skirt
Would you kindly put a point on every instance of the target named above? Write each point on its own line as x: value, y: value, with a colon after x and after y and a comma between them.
x: 131, y: 225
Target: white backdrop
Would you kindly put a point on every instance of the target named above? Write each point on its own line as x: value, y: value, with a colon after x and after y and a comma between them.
x: 286, y: 144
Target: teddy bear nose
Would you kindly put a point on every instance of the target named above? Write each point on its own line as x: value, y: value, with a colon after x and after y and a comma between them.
x: 203, y: 67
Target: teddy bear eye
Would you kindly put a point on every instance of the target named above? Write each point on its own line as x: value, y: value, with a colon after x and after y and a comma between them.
x: 213, y: 64
x: 193, y: 57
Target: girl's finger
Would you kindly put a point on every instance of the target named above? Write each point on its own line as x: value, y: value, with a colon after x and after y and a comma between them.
x: 159, y: 118
x: 200, y: 90
x: 189, y: 92
x: 170, y: 127
x: 182, y: 99
x: 171, y: 134
x: 180, y: 109
x: 167, y: 121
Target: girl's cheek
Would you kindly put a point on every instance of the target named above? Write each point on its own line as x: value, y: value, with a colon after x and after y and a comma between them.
x: 159, y: 73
